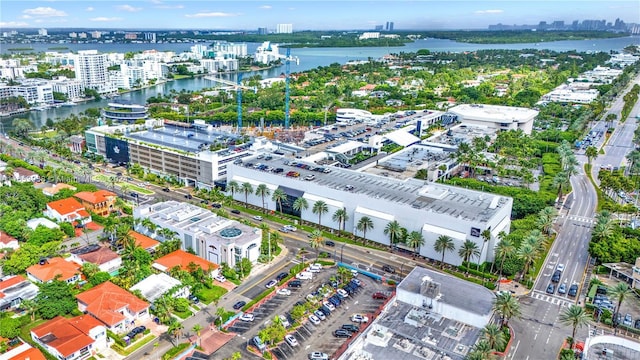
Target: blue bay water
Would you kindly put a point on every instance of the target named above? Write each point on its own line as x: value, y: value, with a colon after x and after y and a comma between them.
x: 310, y: 58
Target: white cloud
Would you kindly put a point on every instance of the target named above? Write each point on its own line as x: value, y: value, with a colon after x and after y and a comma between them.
x: 265, y: 7
x: 210, y: 14
x: 44, y: 12
x: 494, y: 11
x: 169, y: 6
x: 128, y: 8
x: 11, y: 24
x: 89, y: 9
x: 105, y: 19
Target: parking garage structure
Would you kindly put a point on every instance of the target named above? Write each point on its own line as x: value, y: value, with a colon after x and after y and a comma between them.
x: 430, y: 208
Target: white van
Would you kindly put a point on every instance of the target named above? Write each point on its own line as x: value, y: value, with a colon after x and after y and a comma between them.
x: 305, y: 275
x: 315, y: 268
x: 354, y: 272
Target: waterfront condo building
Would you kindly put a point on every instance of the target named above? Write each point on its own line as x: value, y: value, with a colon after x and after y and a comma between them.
x: 91, y: 70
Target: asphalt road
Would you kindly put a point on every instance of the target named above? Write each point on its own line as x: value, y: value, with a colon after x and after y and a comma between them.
x: 539, y: 333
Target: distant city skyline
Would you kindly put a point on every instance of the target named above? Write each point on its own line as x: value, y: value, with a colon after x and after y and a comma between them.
x: 305, y: 15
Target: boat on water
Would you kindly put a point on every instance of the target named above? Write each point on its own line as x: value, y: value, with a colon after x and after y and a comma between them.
x: 68, y: 104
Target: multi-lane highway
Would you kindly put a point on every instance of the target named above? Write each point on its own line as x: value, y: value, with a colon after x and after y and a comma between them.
x: 539, y: 333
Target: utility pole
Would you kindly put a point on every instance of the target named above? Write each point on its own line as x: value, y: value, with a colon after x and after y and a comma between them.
x: 269, y: 240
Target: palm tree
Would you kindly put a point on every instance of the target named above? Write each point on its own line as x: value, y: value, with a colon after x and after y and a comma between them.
x: 528, y: 254
x: 561, y: 181
x: 483, y: 348
x: 316, y: 240
x: 415, y: 240
x: 468, y: 250
x: 175, y: 329
x: 576, y: 317
x: 234, y: 187
x: 364, y: 224
x: 246, y: 189
x: 341, y: 217
x: 300, y: 204
x: 443, y: 244
x: 394, y: 230
x: 619, y: 292
x: 507, y: 307
x: 262, y: 190
x: 486, y: 236
x: 278, y: 197
x: 545, y: 220
x: 196, y: 329
x: 494, y: 336
x: 320, y: 207
x: 504, y: 249
x: 591, y: 152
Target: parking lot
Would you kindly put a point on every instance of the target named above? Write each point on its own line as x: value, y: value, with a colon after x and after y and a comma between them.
x: 310, y: 337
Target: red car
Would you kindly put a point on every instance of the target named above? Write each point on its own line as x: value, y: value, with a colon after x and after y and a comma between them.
x: 379, y: 296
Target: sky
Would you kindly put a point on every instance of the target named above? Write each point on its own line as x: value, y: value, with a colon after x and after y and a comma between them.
x: 304, y: 14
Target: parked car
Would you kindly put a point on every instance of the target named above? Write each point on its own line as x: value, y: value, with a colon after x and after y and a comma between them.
x: 220, y: 278
x: 341, y: 333
x: 305, y: 275
x: 636, y: 325
x: 239, y: 305
x: 258, y: 343
x: 295, y: 283
x: 389, y: 269
x: 166, y: 190
x: 329, y: 305
x: 283, y: 291
x: 342, y: 293
x: 281, y: 276
x: 216, y: 205
x: 314, y: 319
x: 356, y: 281
x: 324, y: 310
x: 556, y: 276
x: 560, y: 267
x: 291, y: 340
x: 257, y: 217
x: 247, y: 317
x: 290, y: 227
x: 188, y: 196
x: 359, y: 318
x: 379, y: 296
x: 628, y: 320
x: 320, y: 315
x: 315, y: 267
x: 316, y: 355
x: 351, y: 328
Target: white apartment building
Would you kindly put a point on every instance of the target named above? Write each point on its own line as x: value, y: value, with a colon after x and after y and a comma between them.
x: 43, y: 32
x: 429, y: 208
x: 35, y: 91
x: 74, y: 89
x: 227, y: 49
x: 219, y: 65
x: 267, y: 52
x: 212, y: 237
x: 369, y: 35
x: 284, y: 28
x: 501, y: 118
x: 91, y: 70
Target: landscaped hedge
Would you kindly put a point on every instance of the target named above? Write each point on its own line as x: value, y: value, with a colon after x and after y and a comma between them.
x: 258, y: 298
x: 118, y: 340
x: 175, y: 351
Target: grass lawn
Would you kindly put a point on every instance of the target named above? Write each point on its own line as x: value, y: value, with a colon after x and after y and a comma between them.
x: 183, y: 315
x: 105, y: 179
x: 133, y: 347
x: 209, y: 295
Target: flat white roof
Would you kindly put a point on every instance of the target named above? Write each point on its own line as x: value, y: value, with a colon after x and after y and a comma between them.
x: 156, y: 285
x: 346, y: 147
x: 494, y: 113
x: 402, y: 137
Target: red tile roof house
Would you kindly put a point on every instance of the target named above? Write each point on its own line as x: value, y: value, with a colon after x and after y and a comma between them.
x: 49, y: 269
x: 145, y: 242
x: 101, y: 202
x: 115, y: 307
x: 8, y: 242
x: 76, y: 338
x: 25, y: 175
x: 67, y: 210
x: 106, y: 259
x: 183, y: 259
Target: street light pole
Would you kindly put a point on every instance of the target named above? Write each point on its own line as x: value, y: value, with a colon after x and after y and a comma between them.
x: 269, y: 240
x: 341, y: 250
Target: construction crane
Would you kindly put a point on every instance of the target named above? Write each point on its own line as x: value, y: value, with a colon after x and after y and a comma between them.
x: 286, y: 87
x: 239, y: 88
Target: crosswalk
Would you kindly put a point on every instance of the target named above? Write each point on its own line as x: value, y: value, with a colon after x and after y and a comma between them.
x: 551, y: 299
x: 583, y: 219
